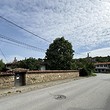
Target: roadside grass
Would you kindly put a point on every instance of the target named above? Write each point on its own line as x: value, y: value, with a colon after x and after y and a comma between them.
x: 93, y: 74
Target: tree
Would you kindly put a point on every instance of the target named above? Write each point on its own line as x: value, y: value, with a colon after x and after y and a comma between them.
x: 2, y: 65
x: 30, y: 63
x: 59, y: 55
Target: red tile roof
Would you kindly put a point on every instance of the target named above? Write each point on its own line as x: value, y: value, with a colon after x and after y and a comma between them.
x: 99, y: 63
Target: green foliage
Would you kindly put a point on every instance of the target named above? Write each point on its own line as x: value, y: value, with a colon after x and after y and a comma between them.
x: 2, y: 65
x: 30, y: 63
x: 93, y: 74
x: 84, y: 72
x: 87, y: 69
x: 90, y: 66
x: 85, y: 66
x: 59, y: 55
x: 102, y: 59
x: 78, y: 63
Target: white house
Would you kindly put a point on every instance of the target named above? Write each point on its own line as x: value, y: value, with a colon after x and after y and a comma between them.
x: 102, y: 67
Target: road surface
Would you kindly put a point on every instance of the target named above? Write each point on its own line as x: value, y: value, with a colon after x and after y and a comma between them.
x: 85, y: 94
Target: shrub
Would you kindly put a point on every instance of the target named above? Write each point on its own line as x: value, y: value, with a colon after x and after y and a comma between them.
x: 83, y: 72
x: 87, y: 70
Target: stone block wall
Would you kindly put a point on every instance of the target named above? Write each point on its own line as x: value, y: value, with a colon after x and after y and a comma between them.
x: 37, y: 77
x: 34, y: 77
x: 6, y: 81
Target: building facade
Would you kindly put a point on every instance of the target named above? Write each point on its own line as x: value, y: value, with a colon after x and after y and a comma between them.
x: 102, y: 67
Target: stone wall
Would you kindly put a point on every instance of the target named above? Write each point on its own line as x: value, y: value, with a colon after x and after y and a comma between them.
x: 34, y: 77
x: 6, y: 81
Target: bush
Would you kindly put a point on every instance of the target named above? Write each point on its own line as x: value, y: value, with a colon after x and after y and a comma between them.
x: 83, y: 72
x: 87, y: 69
x: 86, y: 72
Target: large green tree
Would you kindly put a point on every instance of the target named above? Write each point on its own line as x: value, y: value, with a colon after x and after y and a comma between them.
x: 59, y: 55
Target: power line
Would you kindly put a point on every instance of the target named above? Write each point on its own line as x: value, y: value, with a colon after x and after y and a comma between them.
x: 8, y: 42
x: 24, y: 29
x: 20, y: 43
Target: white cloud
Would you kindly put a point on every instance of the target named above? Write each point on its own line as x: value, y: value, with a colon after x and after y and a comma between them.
x: 85, y: 23
x: 98, y: 52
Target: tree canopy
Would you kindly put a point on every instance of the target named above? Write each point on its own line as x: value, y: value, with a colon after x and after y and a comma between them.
x: 59, y: 55
x: 30, y: 63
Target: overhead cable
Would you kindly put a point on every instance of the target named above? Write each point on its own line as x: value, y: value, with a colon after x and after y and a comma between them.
x: 20, y: 43
x: 3, y: 55
x: 24, y: 29
x: 12, y: 43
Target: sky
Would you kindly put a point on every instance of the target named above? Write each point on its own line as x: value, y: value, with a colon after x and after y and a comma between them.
x: 84, y: 23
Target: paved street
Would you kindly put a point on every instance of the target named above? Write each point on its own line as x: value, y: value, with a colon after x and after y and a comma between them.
x: 85, y: 94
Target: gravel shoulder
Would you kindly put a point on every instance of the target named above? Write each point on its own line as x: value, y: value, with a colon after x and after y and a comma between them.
x: 27, y: 88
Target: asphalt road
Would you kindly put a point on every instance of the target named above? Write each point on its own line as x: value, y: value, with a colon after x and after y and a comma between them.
x: 85, y: 94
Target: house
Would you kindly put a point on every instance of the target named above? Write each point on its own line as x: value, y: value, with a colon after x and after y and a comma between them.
x: 102, y: 67
x: 42, y: 67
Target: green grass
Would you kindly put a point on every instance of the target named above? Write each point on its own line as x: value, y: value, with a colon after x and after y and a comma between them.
x: 93, y: 74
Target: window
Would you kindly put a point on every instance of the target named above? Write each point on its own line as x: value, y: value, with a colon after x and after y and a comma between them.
x: 101, y: 65
x: 105, y: 65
